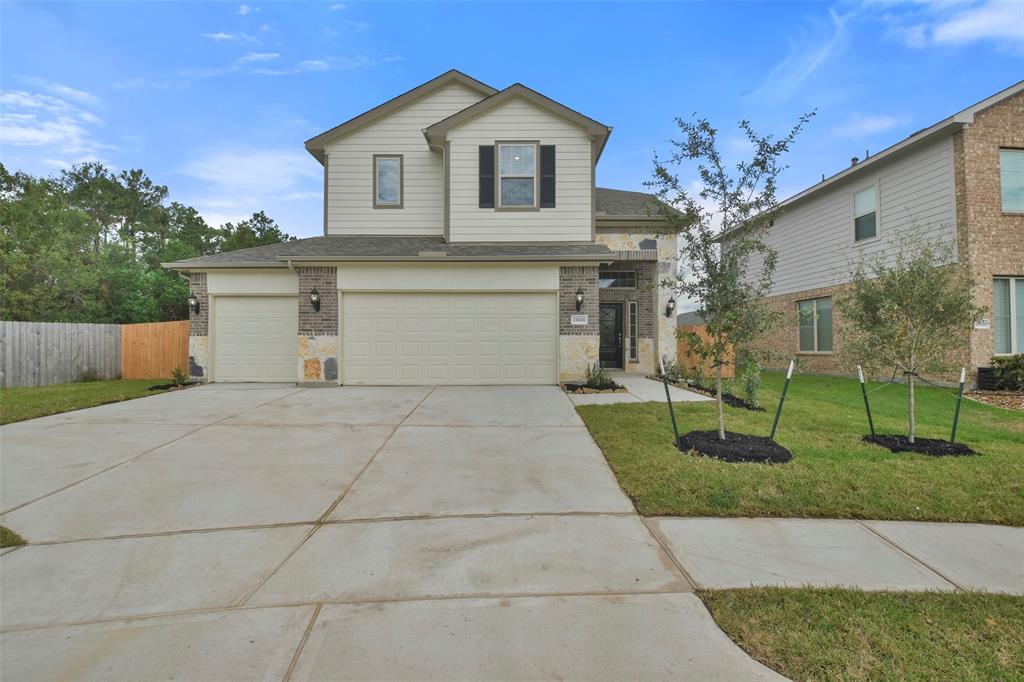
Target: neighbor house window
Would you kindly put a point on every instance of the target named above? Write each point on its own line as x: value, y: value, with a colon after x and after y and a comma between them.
x: 1011, y: 179
x: 387, y: 181
x: 615, y: 279
x: 517, y: 175
x: 1008, y: 315
x: 865, y: 214
x: 815, y: 320
x: 632, y: 331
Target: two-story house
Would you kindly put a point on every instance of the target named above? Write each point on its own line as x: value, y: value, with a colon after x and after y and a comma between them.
x: 464, y: 242
x: 960, y: 181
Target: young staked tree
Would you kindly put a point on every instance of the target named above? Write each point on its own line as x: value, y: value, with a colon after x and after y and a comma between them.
x: 721, y: 226
x: 908, y: 309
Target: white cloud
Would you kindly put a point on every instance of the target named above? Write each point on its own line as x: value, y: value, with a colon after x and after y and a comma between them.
x: 314, y: 65
x: 806, y: 55
x: 259, y: 57
x: 928, y: 23
x: 246, y: 9
x: 320, y: 65
x: 337, y: 7
x: 60, y: 127
x: 860, y: 125
x: 63, y: 91
x: 219, y: 36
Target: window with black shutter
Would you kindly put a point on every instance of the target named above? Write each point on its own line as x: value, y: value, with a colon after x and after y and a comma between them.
x: 547, y: 176
x: 487, y: 176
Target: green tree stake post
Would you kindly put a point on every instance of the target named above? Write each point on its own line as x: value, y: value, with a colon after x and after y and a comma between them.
x: 867, y: 407
x: 778, y: 411
x: 668, y: 398
x: 959, y: 397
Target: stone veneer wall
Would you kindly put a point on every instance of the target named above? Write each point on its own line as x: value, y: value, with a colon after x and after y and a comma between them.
x: 991, y: 243
x: 199, y: 329
x: 663, y: 340
x: 577, y: 345
x: 318, y: 330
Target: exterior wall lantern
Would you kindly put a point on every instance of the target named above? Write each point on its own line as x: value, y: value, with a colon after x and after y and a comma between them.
x: 579, y: 299
x: 193, y: 303
x: 670, y: 307
x: 314, y: 299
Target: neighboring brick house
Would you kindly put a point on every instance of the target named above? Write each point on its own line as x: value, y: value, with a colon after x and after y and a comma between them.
x: 461, y: 226
x: 960, y: 180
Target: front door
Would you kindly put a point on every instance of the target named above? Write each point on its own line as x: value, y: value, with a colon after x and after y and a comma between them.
x: 610, y: 329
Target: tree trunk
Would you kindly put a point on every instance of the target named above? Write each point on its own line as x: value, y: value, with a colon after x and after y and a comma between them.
x: 910, y: 408
x: 718, y: 399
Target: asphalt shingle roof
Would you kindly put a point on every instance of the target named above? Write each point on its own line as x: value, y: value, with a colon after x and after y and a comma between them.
x: 370, y: 247
x: 620, y: 202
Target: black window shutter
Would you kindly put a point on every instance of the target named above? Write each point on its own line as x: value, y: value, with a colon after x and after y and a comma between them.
x: 487, y: 176
x: 547, y: 176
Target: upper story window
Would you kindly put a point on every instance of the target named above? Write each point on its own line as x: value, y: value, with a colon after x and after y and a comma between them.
x: 1008, y: 315
x: 387, y: 181
x: 616, y: 279
x: 815, y: 325
x: 517, y: 175
x: 1011, y: 179
x: 865, y: 213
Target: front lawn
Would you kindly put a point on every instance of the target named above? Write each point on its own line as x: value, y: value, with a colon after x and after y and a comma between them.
x: 836, y: 634
x: 18, y: 404
x: 833, y: 474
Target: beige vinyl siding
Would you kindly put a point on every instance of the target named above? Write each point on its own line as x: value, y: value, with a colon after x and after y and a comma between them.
x: 350, y: 169
x: 814, y: 239
x: 518, y: 119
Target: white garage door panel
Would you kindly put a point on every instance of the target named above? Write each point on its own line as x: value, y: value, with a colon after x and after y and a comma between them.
x: 255, y: 338
x: 449, y: 338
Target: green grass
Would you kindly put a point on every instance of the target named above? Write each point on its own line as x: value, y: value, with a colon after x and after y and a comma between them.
x: 833, y: 474
x: 8, y: 538
x: 18, y: 404
x: 835, y: 634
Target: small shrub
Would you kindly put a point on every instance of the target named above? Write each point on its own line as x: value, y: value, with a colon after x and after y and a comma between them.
x: 749, y: 380
x: 87, y: 375
x: 598, y: 378
x: 674, y: 372
x: 178, y: 376
x: 1009, y: 372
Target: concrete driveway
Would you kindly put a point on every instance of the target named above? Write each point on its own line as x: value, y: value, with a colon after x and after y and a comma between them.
x: 269, y: 532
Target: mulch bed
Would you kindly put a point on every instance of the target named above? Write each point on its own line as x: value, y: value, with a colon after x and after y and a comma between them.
x: 737, y: 447
x: 727, y: 398
x: 923, y: 446
x: 172, y: 387
x: 1010, y: 400
x: 583, y: 388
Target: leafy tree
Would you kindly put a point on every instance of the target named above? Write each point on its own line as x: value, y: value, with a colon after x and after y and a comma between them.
x: 256, y: 231
x: 739, y: 203
x: 906, y: 308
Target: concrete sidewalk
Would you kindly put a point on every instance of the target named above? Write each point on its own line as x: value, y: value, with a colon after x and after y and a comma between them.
x: 870, y: 555
x: 641, y: 390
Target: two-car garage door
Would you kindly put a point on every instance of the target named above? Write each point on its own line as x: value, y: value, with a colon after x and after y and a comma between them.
x: 449, y: 338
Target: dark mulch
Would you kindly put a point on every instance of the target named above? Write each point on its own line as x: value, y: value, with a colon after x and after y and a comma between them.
x: 737, y: 447
x: 923, y: 446
x: 727, y: 398
x: 172, y: 387
x: 583, y: 388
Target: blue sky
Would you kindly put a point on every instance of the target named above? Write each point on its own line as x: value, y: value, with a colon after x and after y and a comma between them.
x: 214, y: 100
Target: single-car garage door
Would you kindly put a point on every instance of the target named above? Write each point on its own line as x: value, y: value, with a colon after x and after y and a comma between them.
x: 449, y: 338
x: 255, y: 338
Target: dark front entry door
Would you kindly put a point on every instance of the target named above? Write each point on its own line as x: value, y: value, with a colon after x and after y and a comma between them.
x: 610, y: 329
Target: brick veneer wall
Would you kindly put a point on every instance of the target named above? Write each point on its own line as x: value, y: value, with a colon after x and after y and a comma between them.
x: 991, y: 243
x: 571, y: 278
x: 325, y: 281
x: 643, y: 294
x: 199, y: 323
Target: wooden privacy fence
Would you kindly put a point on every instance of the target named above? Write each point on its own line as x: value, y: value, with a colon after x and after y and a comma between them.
x: 692, y: 361
x: 154, y: 349
x: 44, y: 353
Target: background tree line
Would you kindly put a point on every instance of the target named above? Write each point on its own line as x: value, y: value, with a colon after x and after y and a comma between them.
x: 86, y: 246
